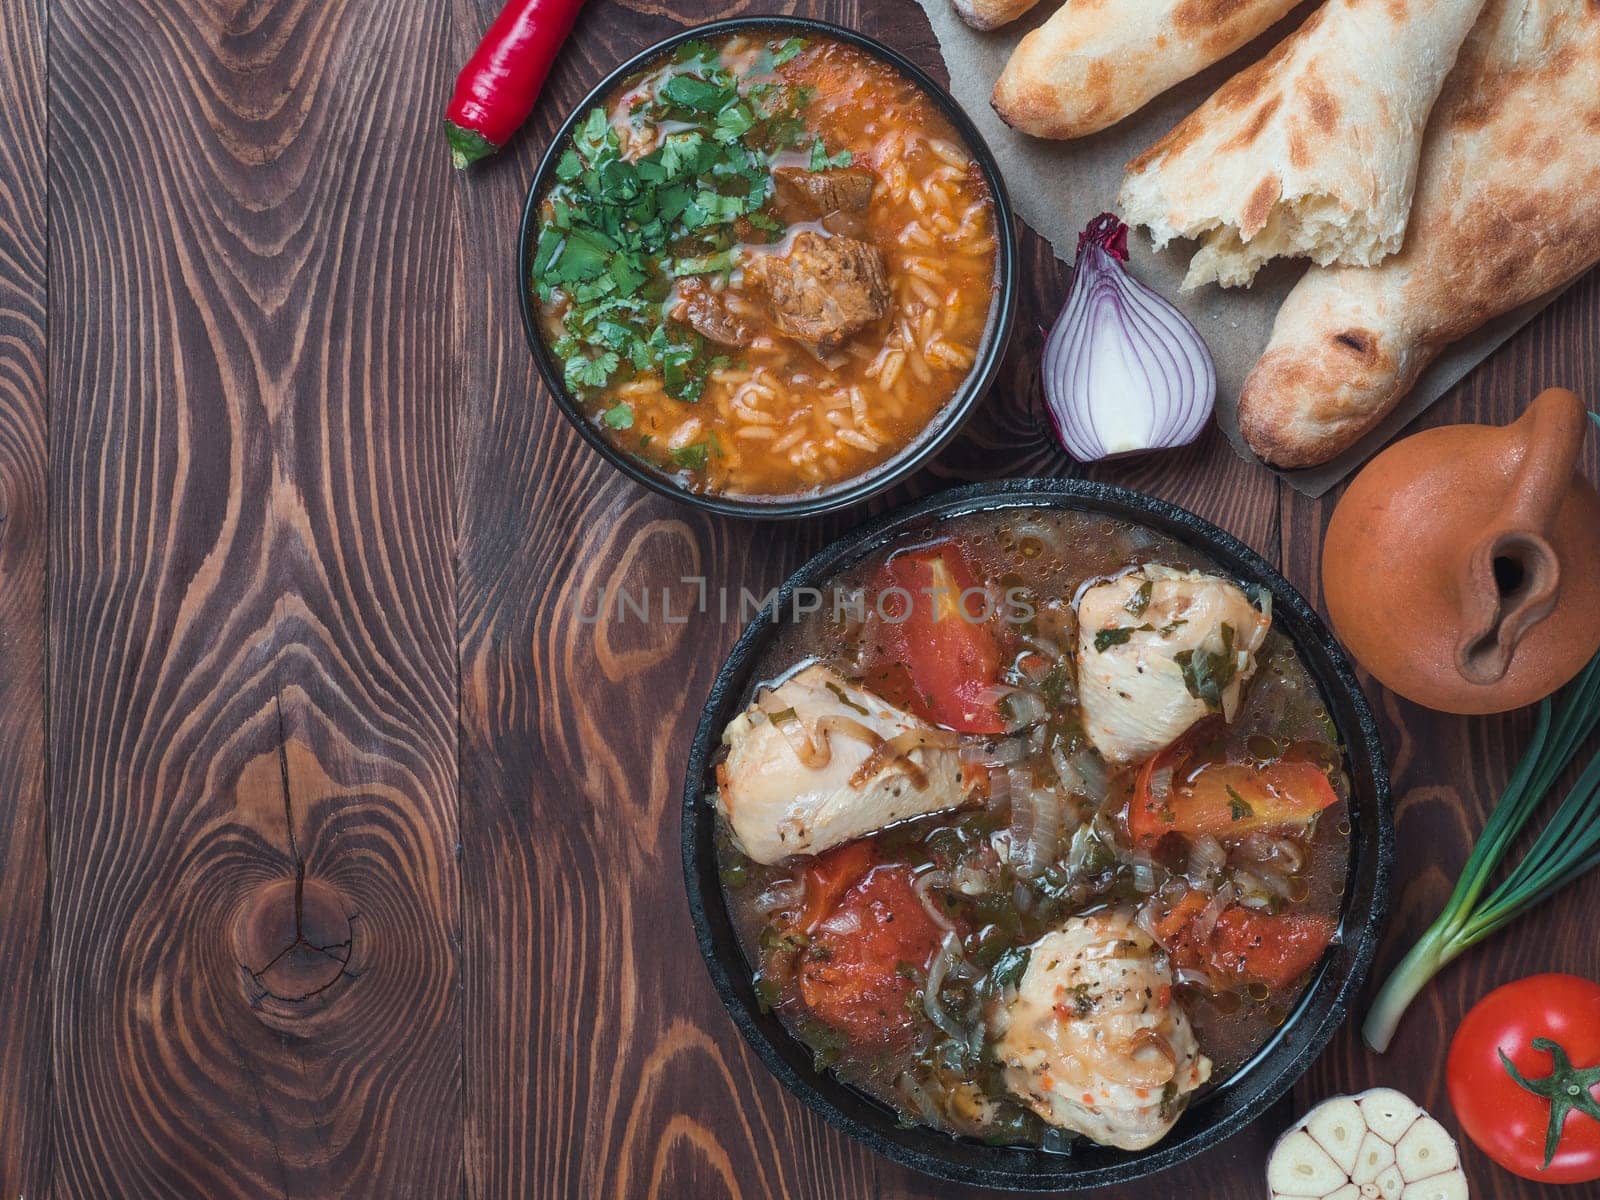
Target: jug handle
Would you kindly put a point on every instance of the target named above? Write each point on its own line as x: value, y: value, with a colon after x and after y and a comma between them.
x: 1512, y: 577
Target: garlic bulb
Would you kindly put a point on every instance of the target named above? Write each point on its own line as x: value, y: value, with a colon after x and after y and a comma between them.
x: 1375, y: 1146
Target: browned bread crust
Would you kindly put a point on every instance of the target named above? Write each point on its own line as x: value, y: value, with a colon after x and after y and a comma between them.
x: 1310, y: 153
x: 1096, y: 61
x: 1507, y: 209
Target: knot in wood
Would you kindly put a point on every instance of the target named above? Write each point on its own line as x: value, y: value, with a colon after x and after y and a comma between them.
x: 294, y: 940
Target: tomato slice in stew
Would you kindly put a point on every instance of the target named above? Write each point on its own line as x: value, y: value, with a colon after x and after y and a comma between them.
x: 945, y: 640
x: 868, y: 957
x: 1274, y: 949
x: 1224, y: 799
x: 830, y: 875
x: 1245, y: 946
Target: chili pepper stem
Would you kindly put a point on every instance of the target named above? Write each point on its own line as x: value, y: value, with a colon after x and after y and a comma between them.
x: 466, y: 145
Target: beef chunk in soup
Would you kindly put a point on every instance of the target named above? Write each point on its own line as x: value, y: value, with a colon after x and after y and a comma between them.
x: 824, y: 289
x: 843, y: 189
x: 703, y: 310
x: 817, y: 761
x: 1093, y: 1041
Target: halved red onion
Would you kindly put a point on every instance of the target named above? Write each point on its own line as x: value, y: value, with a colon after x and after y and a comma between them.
x: 1124, y: 370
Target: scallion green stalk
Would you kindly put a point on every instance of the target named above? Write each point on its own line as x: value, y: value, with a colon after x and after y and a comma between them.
x: 1568, y: 846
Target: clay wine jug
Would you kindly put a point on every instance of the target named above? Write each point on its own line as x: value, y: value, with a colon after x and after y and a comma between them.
x: 1462, y: 568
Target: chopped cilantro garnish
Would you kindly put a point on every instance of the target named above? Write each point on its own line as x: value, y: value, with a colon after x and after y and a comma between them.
x: 570, y: 166
x: 582, y: 371
x: 774, y: 56
x: 692, y: 458
x: 1238, y: 808
x: 734, y: 121
x: 1107, y: 638
x: 1207, y: 673
x: 704, y: 265
x: 1140, y: 600
x: 1010, y: 966
x: 787, y: 50
x: 696, y: 93
x: 618, y: 227
x: 821, y: 160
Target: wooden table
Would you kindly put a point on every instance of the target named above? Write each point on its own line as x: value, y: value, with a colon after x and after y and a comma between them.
x: 336, y: 857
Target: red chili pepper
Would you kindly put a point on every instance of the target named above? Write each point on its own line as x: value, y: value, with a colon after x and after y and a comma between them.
x: 496, y: 90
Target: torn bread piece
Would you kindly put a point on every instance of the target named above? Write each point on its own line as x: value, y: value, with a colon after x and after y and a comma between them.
x: 1096, y: 61
x: 1507, y: 209
x: 1310, y: 153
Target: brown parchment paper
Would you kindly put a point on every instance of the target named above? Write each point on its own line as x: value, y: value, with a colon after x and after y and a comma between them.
x: 1056, y: 187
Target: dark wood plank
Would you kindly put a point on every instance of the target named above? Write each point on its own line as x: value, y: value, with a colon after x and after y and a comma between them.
x: 253, y: 778
x: 24, y: 939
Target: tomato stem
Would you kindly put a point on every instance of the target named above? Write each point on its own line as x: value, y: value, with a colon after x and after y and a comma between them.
x: 1566, y: 1087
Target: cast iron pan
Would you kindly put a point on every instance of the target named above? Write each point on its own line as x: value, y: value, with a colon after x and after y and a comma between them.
x: 1222, y: 1112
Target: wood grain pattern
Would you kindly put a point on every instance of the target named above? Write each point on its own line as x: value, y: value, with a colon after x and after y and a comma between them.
x: 363, y: 855
x: 253, y: 781
x: 24, y: 935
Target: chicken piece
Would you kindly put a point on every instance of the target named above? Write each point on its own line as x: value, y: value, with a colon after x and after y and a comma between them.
x: 1157, y: 650
x: 703, y: 310
x: 1094, y: 1041
x: 822, y: 289
x: 817, y: 761
x: 843, y: 189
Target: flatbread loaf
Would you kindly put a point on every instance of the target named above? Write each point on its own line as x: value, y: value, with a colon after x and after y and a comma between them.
x: 1096, y: 61
x: 991, y: 14
x: 1507, y: 209
x: 1312, y: 152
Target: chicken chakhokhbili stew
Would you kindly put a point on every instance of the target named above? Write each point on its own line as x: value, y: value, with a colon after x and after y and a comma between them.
x: 766, y: 264
x: 1035, y: 828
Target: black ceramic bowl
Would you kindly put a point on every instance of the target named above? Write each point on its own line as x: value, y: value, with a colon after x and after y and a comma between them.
x: 1221, y: 1112
x: 945, y: 424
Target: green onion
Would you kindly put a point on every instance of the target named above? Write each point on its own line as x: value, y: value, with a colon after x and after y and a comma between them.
x: 1568, y: 846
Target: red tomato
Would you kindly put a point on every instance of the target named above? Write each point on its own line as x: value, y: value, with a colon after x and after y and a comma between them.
x: 1246, y: 946
x: 1505, y: 1120
x: 830, y: 875
x: 951, y: 653
x: 1226, y: 799
x: 868, y: 957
